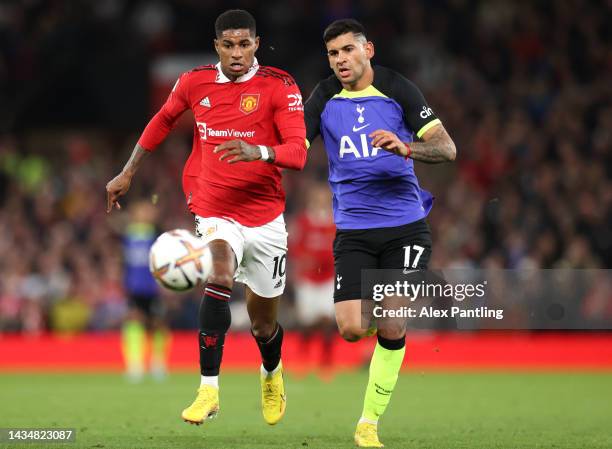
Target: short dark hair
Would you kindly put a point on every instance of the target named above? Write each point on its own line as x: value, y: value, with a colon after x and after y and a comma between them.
x: 235, y: 19
x: 342, y: 26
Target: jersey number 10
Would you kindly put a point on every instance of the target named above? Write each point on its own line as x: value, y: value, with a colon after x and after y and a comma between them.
x: 280, y: 264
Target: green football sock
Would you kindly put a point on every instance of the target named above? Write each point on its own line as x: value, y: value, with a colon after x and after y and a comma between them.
x: 133, y: 338
x: 384, y: 369
x: 159, y: 348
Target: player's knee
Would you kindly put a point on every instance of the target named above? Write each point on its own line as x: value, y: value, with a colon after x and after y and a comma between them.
x: 224, y: 264
x: 393, y: 332
x: 351, y: 332
x: 222, y: 277
x: 262, y: 329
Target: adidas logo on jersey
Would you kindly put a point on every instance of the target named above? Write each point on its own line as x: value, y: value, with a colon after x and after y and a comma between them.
x: 205, y: 102
x: 279, y: 284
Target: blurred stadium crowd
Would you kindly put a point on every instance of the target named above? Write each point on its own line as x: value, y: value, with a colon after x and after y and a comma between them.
x: 524, y: 89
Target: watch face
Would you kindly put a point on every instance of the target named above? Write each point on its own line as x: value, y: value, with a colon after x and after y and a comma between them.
x: 265, y: 155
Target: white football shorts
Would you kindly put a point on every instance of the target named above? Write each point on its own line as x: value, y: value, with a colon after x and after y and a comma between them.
x: 314, y: 301
x: 261, y: 252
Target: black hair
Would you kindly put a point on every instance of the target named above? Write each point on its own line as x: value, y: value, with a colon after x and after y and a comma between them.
x: 235, y: 19
x: 342, y: 26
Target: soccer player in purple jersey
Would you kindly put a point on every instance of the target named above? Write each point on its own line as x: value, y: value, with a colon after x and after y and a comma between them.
x: 374, y: 123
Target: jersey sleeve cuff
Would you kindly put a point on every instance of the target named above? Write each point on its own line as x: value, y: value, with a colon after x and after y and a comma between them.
x: 427, y: 127
x: 147, y: 146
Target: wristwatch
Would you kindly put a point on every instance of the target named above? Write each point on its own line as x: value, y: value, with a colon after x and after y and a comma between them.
x: 265, y: 154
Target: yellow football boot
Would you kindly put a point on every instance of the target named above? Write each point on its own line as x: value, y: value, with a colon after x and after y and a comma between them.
x: 366, y: 435
x: 205, y: 406
x: 273, y: 400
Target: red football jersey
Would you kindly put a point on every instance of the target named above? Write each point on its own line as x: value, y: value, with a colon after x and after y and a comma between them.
x: 311, y: 247
x: 262, y: 107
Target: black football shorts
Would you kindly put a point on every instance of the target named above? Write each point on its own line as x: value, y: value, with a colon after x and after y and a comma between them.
x: 151, y: 306
x: 399, y: 247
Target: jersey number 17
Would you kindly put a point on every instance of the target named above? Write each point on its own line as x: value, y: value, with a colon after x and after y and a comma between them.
x: 408, y: 255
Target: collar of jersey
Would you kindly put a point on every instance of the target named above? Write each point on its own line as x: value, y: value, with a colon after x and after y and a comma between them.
x: 369, y: 91
x: 221, y: 78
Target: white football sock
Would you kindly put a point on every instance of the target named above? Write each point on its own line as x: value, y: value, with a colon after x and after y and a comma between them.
x: 369, y: 421
x: 265, y: 372
x: 213, y: 381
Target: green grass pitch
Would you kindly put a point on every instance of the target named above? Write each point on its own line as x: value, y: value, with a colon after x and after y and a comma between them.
x: 428, y: 410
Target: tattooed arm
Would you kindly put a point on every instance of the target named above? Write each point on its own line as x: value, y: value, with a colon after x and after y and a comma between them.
x: 119, y: 185
x: 436, y: 147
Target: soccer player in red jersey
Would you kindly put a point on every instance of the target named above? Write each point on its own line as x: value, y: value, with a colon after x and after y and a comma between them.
x: 310, y: 244
x: 249, y: 125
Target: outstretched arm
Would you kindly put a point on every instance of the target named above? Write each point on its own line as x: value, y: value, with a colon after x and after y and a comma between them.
x: 154, y: 133
x: 120, y: 184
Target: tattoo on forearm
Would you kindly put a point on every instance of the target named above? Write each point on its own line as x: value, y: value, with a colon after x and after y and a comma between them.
x: 135, y: 160
x: 438, y: 148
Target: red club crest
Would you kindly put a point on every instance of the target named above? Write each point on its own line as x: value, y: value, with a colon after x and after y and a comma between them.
x: 249, y: 103
x: 210, y: 341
